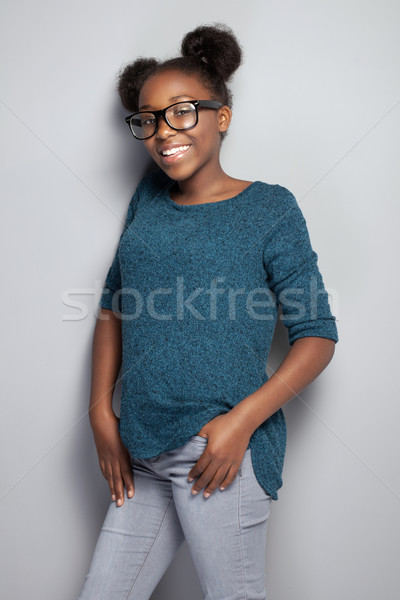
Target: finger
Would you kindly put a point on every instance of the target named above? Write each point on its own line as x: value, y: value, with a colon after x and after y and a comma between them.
x: 199, y: 466
x: 205, y: 477
x: 118, y: 483
x: 230, y: 477
x: 108, y: 475
x: 215, y: 481
x: 127, y: 477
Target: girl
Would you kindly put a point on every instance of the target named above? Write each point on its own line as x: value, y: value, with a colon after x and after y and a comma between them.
x: 188, y: 313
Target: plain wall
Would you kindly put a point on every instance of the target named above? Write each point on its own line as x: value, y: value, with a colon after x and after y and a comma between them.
x: 324, y: 77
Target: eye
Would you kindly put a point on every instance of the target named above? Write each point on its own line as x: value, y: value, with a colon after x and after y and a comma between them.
x: 183, y: 110
x: 148, y: 121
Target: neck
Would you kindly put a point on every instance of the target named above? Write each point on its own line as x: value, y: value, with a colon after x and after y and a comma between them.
x: 202, y: 184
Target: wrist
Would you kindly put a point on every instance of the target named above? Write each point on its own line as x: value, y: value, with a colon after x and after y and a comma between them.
x: 245, y: 417
x: 100, y: 416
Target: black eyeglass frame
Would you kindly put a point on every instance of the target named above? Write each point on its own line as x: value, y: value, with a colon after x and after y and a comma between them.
x: 162, y: 113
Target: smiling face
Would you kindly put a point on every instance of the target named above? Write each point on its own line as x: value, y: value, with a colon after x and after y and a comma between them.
x: 198, y: 148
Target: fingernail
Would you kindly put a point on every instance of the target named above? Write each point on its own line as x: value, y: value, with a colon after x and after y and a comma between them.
x: 194, y: 491
x: 190, y: 478
x: 207, y: 494
x: 119, y: 501
x: 221, y: 488
x: 130, y: 493
x: 113, y: 497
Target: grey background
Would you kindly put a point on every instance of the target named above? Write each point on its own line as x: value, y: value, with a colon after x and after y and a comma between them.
x: 325, y: 75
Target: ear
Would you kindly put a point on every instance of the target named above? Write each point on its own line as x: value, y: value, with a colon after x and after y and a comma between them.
x: 224, y: 118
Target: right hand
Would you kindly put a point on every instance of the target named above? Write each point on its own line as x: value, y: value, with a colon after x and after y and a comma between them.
x: 114, y: 459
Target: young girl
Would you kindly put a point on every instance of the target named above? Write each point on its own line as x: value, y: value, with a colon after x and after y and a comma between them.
x: 188, y: 313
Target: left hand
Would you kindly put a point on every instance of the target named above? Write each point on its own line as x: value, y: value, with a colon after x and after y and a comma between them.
x: 219, y: 464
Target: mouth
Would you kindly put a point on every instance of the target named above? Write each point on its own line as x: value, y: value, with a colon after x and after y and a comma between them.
x: 174, y: 153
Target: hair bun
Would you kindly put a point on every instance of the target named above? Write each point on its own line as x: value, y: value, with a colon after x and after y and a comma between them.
x: 216, y: 46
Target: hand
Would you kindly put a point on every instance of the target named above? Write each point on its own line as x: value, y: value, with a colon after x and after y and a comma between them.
x: 219, y: 464
x: 114, y: 458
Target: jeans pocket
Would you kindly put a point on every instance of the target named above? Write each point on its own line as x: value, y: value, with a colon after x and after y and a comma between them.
x: 198, y: 438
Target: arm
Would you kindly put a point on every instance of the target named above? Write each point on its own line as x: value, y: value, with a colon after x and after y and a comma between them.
x: 230, y: 432
x: 114, y: 458
x: 306, y: 359
x: 106, y: 362
x: 293, y: 275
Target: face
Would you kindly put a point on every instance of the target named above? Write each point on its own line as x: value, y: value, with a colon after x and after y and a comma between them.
x: 200, y: 145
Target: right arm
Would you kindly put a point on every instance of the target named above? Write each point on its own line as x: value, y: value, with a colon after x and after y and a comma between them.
x: 114, y: 458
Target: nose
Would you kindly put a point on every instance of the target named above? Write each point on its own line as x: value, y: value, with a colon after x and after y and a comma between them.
x: 163, y: 129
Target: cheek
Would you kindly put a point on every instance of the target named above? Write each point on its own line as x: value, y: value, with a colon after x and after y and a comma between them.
x: 209, y: 133
x: 149, y: 146
x: 210, y: 141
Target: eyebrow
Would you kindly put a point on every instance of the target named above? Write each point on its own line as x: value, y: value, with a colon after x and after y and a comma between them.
x: 148, y: 107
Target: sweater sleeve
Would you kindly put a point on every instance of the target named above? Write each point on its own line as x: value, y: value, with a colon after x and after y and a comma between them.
x: 293, y: 275
x: 113, y: 278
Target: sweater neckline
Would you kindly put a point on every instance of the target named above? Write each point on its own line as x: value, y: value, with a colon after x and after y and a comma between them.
x: 202, y: 205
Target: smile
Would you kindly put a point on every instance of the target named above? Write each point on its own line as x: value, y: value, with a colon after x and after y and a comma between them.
x: 175, y: 150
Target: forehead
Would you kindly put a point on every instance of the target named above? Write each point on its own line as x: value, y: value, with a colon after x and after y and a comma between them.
x: 167, y: 87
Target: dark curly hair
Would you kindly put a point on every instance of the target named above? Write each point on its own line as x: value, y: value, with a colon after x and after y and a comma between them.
x: 211, y: 52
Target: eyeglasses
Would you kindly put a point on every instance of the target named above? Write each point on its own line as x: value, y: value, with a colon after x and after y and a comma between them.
x: 179, y: 116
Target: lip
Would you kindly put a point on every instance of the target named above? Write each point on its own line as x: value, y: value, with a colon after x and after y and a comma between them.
x: 174, y: 157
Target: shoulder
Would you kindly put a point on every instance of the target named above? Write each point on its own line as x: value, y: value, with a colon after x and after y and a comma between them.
x: 275, y: 195
x: 276, y: 202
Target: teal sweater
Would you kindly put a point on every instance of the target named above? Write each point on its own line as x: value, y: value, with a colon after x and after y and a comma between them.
x: 197, y: 288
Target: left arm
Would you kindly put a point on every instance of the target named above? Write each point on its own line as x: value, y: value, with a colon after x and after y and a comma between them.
x: 229, y: 433
x: 306, y: 359
x: 293, y: 275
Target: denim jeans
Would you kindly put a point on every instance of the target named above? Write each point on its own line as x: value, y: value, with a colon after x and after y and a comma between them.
x: 225, y: 533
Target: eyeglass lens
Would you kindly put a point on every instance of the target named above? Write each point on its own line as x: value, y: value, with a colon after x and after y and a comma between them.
x: 178, y: 116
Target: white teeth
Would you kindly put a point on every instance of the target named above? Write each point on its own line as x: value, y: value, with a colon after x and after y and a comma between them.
x: 175, y: 150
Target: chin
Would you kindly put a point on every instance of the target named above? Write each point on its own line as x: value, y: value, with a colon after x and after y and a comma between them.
x: 177, y: 172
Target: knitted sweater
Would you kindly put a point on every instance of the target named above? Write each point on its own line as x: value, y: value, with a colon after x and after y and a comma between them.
x: 197, y: 288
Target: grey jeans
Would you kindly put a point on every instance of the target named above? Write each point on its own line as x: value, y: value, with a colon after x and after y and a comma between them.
x: 225, y: 533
